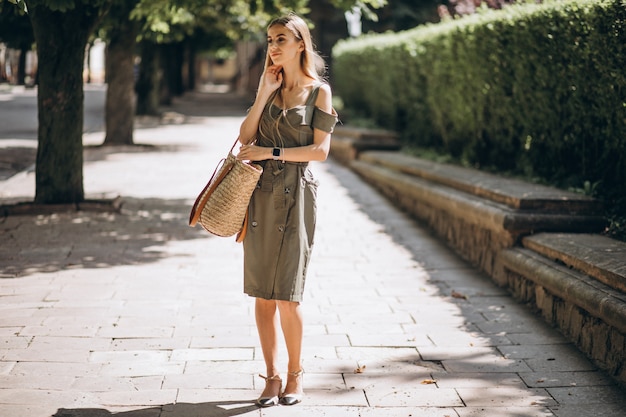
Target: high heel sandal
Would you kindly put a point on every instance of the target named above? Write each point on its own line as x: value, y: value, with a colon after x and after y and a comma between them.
x: 269, y: 401
x: 292, y: 399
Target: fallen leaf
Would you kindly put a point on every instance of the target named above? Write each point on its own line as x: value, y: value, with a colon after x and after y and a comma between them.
x: 429, y: 381
x: 360, y: 369
x: 541, y: 380
x: 456, y: 294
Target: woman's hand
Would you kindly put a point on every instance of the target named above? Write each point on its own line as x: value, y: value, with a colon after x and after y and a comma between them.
x: 254, y: 153
x: 272, y: 78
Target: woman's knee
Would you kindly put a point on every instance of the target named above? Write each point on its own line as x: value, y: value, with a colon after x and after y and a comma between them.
x: 288, y: 307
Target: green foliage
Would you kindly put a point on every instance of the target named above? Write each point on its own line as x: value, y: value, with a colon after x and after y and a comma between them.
x: 15, y: 28
x: 534, y: 90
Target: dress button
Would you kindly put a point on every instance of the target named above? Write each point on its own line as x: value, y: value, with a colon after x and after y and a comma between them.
x: 281, y: 228
x: 254, y: 224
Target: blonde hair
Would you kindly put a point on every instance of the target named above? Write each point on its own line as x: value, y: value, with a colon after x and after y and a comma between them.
x: 311, y: 63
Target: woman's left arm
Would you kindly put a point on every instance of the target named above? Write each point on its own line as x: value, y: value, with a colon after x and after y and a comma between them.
x: 317, y: 151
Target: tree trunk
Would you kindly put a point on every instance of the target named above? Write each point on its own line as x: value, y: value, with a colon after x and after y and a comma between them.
x: 173, y: 57
x: 61, y: 39
x: 148, y: 84
x: 21, y: 67
x: 120, y: 99
x: 191, y: 64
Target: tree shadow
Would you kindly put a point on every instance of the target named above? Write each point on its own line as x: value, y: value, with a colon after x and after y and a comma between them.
x: 94, y: 239
x: 209, y: 409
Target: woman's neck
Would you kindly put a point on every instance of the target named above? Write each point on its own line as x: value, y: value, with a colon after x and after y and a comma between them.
x: 294, y: 78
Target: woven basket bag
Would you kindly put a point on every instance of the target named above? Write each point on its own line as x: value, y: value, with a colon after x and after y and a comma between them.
x: 222, y: 206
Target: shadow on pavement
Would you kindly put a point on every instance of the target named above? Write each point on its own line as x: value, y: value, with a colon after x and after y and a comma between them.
x: 83, y: 239
x: 212, y: 409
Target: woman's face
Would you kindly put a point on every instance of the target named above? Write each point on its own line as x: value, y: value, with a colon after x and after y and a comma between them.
x: 282, y: 45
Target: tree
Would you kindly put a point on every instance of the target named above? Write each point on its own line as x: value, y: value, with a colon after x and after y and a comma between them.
x: 61, y: 29
x: 121, y: 32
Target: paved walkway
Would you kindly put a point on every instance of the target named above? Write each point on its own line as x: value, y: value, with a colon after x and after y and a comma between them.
x: 138, y: 315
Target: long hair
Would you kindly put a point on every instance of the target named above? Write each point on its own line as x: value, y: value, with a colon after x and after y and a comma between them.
x: 310, y: 61
x: 311, y: 64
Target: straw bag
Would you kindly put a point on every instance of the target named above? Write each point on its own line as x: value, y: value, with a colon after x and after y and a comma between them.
x: 222, y: 206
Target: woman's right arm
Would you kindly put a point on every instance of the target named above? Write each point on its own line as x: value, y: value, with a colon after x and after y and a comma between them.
x: 271, y: 80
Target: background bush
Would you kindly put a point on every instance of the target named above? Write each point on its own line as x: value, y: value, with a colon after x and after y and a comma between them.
x: 536, y: 90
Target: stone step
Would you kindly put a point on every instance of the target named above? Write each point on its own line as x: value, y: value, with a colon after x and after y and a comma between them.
x: 590, y: 313
x: 349, y: 142
x: 595, y: 255
x: 514, y: 193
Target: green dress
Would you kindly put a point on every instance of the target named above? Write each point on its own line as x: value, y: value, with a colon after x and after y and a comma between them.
x: 282, y: 211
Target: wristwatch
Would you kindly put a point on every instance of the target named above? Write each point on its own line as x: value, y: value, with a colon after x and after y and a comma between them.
x: 276, y: 153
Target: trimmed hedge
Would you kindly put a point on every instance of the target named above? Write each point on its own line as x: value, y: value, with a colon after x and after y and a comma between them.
x: 537, y: 90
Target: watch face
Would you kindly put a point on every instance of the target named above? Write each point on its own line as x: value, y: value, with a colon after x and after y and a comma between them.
x: 276, y: 152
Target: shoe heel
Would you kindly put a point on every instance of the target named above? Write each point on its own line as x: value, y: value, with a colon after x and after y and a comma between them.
x: 293, y: 399
x: 265, y: 402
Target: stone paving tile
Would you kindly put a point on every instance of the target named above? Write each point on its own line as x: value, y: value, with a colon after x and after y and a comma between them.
x: 485, y: 364
x: 151, y: 344
x: 560, y: 363
x: 212, y: 354
x: 408, y: 412
x: 390, y: 340
x: 343, y: 397
x: 541, y: 351
x: 72, y: 343
x: 565, y: 379
x: 445, y: 353
x: 209, y: 380
x: 534, y: 411
x: 45, y: 355
x: 478, y: 380
x: 137, y: 369
x: 56, y: 369
x: 588, y: 395
x: 14, y: 342
x: 508, y: 396
x: 27, y: 410
x: 466, y: 338
x: 102, y: 383
x: 588, y: 410
x: 68, y: 331
x: 120, y: 332
x: 135, y: 398
x: 218, y: 408
x: 400, y: 396
x: 43, y: 396
x: 6, y: 367
x: 154, y: 356
x: 42, y: 382
x: 368, y: 379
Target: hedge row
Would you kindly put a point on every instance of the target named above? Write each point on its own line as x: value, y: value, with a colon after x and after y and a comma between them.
x: 538, y: 90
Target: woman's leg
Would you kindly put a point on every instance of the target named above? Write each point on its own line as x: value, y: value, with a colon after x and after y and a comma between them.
x: 292, y: 325
x: 267, y: 324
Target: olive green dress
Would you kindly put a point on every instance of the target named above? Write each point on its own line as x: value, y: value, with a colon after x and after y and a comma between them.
x: 282, y: 211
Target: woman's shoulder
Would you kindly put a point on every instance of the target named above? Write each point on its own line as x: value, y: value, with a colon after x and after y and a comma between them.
x: 324, y: 96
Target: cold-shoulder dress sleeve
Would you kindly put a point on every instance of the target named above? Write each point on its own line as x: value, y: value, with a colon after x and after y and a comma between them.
x: 323, y: 120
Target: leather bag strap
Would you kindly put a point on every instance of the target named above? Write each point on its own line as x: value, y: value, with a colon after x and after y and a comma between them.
x: 206, y: 192
x: 244, y: 229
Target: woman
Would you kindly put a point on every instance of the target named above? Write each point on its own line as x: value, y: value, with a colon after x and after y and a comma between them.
x: 289, y: 124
